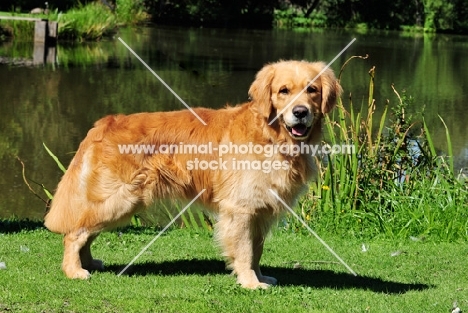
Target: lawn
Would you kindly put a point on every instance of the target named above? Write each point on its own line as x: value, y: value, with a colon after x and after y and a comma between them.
x: 183, y: 272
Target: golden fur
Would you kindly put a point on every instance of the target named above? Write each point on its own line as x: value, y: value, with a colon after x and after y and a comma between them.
x: 103, y: 187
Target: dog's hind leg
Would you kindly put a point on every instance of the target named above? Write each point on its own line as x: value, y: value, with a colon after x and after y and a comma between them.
x: 87, y: 261
x: 74, y: 242
x: 113, y: 211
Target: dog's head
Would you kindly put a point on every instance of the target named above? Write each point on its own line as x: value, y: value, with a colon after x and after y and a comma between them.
x: 294, y: 93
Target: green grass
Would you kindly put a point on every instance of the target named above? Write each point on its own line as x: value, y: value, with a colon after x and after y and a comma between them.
x: 183, y: 272
x: 17, y: 29
x: 91, y: 21
x: 94, y: 21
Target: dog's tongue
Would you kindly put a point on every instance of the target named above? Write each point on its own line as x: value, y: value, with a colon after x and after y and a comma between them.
x: 299, y: 130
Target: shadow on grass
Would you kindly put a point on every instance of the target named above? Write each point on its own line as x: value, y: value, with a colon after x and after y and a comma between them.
x: 16, y: 225
x: 285, y: 276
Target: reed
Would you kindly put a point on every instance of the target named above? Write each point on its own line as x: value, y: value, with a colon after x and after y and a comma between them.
x: 94, y: 21
x: 394, y: 185
x: 16, y: 29
x: 87, y: 22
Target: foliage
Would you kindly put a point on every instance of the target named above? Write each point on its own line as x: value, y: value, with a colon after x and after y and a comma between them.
x: 395, y: 185
x: 130, y: 12
x: 213, y: 13
x: 294, y: 18
x: 86, y: 22
x: 95, y: 20
x: 434, y: 15
x: 15, y: 28
x: 89, y: 21
x: 27, y: 5
x: 427, y: 15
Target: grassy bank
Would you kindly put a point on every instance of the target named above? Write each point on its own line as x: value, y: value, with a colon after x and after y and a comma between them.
x: 395, y: 184
x: 182, y: 272
x: 92, y: 21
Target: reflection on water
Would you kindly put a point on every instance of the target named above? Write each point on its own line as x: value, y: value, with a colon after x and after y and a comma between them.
x: 57, y: 105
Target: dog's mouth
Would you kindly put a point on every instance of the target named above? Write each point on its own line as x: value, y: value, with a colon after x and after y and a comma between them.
x: 298, y: 131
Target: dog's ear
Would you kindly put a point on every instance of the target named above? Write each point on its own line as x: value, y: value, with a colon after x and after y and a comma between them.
x: 260, y: 90
x: 331, y: 90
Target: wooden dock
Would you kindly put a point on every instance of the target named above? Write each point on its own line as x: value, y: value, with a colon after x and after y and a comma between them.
x: 45, y: 38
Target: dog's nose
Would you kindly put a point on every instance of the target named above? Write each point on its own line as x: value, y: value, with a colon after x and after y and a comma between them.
x: 300, y: 111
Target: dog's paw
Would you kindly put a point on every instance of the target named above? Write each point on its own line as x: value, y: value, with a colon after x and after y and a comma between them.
x: 250, y: 281
x: 257, y: 285
x: 80, y: 274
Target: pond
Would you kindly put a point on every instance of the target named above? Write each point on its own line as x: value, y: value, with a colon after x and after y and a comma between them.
x: 57, y: 105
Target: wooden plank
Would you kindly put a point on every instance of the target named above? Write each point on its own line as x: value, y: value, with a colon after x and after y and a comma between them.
x: 32, y: 19
x: 40, y: 32
x: 45, y: 38
x: 52, y: 28
x: 51, y: 57
x: 39, y: 54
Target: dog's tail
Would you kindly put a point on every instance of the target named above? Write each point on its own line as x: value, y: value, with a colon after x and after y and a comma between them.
x: 66, y: 207
x: 91, y: 195
x: 63, y: 212
x: 69, y: 202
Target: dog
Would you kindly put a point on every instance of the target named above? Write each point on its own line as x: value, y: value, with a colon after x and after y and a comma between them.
x: 104, y: 186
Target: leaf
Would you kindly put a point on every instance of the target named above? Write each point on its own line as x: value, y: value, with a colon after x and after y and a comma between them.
x: 429, y: 139
x: 60, y: 165
x: 47, y: 192
x: 449, y: 145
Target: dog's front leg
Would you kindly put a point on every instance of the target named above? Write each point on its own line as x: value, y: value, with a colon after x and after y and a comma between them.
x: 242, y: 243
x: 258, y: 240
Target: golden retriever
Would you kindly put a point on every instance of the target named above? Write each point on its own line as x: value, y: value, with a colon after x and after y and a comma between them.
x: 104, y: 185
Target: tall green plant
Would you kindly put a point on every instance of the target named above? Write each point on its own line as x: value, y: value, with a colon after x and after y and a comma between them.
x: 393, y: 185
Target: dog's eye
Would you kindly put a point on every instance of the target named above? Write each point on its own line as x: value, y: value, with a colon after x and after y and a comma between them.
x: 284, y: 91
x: 311, y: 89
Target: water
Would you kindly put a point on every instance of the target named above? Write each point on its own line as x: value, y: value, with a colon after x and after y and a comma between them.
x: 57, y: 105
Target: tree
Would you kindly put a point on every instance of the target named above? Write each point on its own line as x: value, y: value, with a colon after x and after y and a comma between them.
x: 307, y: 6
x: 439, y: 14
